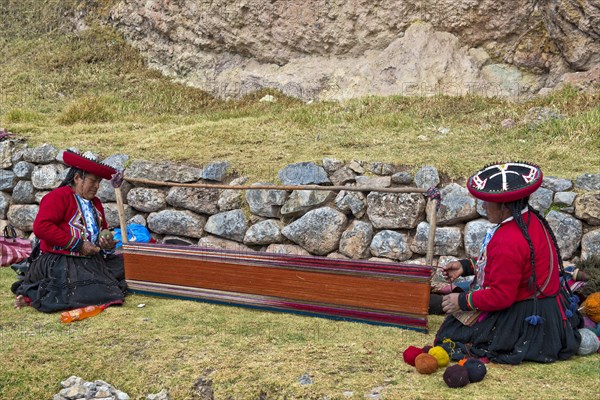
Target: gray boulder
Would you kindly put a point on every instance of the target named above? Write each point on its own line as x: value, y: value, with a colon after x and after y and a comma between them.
x: 23, y: 193
x: 480, y: 210
x: 379, y: 168
x: 332, y: 164
x: 427, y: 177
x: 198, y: 200
x: 139, y: 219
x: 229, y: 225
x: 177, y: 222
x: 22, y: 216
x: 587, y: 207
x: 402, y: 178
x: 48, y: 176
x: 265, y: 203
x: 163, y: 171
x: 40, y: 195
x: 395, y: 210
x: 356, y: 166
x: 23, y: 169
x: 475, y: 232
x: 304, y: 173
x: 556, y: 184
x: 373, y: 181
x: 290, y: 249
x: 118, y: 161
x: 147, y: 199
x: 6, y: 153
x: 391, y: 244
x: 106, y: 191
x: 111, y: 211
x: 264, y: 233
x: 318, y: 231
x: 213, y: 242
x: 43, y: 154
x: 8, y: 180
x: 588, y: 182
x: 447, y: 241
x: 590, y: 244
x: 457, y: 205
x: 231, y: 199
x: 541, y: 199
x: 301, y: 201
x: 178, y: 240
x: 215, y: 171
x: 351, y: 202
x: 355, y: 240
x: 5, y: 201
x: 343, y: 176
x: 568, y: 232
x: 564, y: 199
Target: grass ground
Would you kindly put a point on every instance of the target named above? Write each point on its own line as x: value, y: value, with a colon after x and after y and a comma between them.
x: 90, y: 90
x: 171, y: 343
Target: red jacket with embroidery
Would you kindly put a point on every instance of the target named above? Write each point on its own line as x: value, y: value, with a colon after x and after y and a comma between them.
x: 59, y: 223
x: 508, y: 266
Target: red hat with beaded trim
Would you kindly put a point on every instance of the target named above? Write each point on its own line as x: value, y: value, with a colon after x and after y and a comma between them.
x: 76, y: 160
x: 505, y: 182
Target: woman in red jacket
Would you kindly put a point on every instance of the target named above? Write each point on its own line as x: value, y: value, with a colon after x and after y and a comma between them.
x: 518, y: 308
x: 77, y: 266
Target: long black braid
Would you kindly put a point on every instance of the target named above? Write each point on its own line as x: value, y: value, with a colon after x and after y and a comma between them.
x: 515, y: 208
x: 70, y: 178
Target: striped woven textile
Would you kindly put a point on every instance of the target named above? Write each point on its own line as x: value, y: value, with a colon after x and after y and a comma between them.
x: 381, y: 293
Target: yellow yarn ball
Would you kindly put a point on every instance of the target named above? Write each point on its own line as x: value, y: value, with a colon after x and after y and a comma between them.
x: 440, y: 355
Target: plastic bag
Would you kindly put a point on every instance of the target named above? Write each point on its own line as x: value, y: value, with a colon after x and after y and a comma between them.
x: 135, y: 233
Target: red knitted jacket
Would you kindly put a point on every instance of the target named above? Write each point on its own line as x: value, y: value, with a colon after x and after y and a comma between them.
x: 59, y: 223
x: 508, y: 267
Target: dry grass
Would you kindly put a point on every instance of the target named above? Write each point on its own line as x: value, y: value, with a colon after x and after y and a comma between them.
x: 170, y: 343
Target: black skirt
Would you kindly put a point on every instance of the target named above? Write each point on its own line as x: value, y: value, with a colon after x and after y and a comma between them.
x: 505, y: 337
x: 56, y: 282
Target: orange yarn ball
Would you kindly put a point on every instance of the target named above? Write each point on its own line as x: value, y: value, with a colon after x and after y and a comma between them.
x: 463, y: 361
x: 591, y: 307
x: 426, y: 363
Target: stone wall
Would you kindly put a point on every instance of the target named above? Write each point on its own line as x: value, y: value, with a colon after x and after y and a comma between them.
x: 345, y: 224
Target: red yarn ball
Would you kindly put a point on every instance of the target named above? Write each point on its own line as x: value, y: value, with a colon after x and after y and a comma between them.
x: 410, y: 354
x: 456, y: 376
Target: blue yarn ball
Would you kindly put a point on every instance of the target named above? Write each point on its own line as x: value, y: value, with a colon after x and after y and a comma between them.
x: 589, y: 342
x: 476, y: 369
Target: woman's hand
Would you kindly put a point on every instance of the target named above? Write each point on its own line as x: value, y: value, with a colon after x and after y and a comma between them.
x: 106, y: 240
x: 89, y: 249
x: 452, y: 270
x: 450, y: 303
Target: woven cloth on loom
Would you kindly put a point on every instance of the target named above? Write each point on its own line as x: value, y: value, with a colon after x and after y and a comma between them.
x: 380, y: 293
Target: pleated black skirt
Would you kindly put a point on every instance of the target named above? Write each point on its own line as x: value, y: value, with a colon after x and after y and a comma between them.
x: 56, y: 282
x: 506, y: 337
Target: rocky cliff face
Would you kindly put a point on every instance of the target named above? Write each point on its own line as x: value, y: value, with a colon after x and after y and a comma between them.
x: 337, y: 49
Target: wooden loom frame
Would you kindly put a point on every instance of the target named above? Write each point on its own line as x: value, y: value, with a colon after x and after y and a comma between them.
x: 382, y: 293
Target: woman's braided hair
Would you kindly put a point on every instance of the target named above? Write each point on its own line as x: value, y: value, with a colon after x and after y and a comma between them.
x: 515, y: 208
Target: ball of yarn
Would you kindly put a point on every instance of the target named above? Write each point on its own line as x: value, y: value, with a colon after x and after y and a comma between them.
x: 410, y: 354
x: 426, y: 348
x: 589, y: 342
x: 440, y: 355
x: 456, y: 376
x: 476, y: 369
x: 591, y: 307
x: 426, y: 363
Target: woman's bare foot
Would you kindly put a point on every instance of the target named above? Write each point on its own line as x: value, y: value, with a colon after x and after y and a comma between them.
x: 20, y: 302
